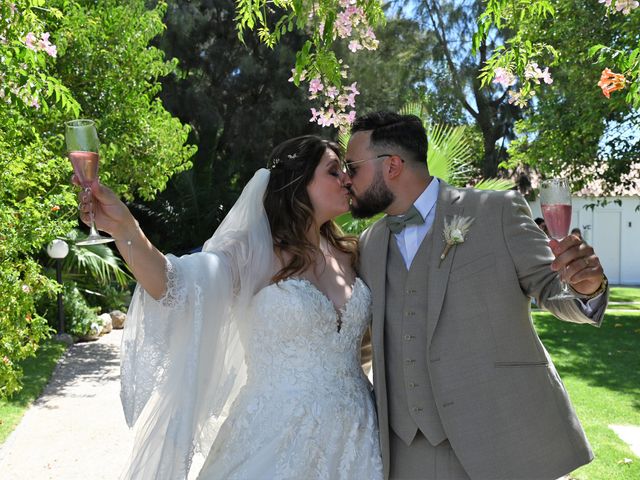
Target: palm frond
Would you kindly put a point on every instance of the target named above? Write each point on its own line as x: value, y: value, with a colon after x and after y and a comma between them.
x: 415, y: 108
x: 355, y: 226
x: 449, y: 153
x: 343, y: 140
x: 93, y: 262
x: 501, y: 184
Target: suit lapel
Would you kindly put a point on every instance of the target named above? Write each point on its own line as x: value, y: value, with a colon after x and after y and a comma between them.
x: 378, y: 246
x: 446, y: 206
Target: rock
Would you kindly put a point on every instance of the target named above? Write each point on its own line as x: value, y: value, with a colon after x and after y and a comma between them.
x: 65, y: 338
x: 118, y: 318
x: 107, y: 324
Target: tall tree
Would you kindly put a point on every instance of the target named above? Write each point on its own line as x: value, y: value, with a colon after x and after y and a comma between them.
x: 239, y: 103
x: 454, y: 70
x: 572, y: 128
x: 84, y: 57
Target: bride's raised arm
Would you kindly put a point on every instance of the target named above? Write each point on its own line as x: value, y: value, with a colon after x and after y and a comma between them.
x: 111, y: 215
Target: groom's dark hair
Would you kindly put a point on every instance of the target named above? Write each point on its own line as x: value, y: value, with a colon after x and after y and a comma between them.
x: 394, y: 130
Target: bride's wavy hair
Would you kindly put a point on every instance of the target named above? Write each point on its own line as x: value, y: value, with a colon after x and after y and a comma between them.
x: 288, y: 206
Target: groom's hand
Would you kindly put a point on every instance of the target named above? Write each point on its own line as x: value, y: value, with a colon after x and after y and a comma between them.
x: 578, y: 264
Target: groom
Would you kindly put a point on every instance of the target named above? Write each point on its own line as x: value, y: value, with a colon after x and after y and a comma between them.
x: 464, y: 388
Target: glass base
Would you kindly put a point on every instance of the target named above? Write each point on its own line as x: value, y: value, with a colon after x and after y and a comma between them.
x: 95, y: 240
x: 563, y: 296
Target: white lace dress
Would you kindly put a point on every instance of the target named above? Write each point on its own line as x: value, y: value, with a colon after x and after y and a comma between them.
x: 305, y: 411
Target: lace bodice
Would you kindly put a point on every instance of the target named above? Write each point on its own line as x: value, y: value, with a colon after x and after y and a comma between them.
x: 306, y: 410
x: 295, y: 335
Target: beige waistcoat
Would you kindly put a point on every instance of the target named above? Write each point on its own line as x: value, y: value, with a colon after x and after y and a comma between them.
x: 412, y: 406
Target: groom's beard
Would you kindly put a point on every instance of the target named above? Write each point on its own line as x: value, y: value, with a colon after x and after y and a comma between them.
x: 374, y: 200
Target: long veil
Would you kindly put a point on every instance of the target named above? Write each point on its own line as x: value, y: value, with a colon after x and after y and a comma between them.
x: 182, y: 360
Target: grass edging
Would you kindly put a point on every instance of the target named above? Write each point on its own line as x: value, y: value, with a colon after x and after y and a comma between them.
x: 37, y: 372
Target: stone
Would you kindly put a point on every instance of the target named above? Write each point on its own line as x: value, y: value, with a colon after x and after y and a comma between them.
x: 118, y: 318
x: 65, y: 338
x: 107, y: 323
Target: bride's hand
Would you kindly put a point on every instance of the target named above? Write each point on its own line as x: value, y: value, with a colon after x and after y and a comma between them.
x: 111, y: 215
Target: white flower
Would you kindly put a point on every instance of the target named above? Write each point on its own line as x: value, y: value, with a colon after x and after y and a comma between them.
x: 455, y: 233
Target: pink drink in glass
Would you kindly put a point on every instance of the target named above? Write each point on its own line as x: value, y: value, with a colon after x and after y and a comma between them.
x: 85, y: 166
x: 558, y: 219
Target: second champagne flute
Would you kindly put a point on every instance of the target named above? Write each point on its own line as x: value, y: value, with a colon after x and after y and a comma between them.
x: 82, y: 148
x: 555, y: 201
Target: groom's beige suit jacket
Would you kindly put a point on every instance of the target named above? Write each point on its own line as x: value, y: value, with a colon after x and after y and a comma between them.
x: 500, y: 401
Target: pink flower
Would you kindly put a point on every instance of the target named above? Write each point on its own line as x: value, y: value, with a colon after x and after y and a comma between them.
x: 546, y: 76
x: 332, y: 92
x: 47, y: 46
x: 354, y: 46
x: 30, y: 41
x: 353, y: 88
x: 517, y: 99
x: 625, y: 6
x: 504, y: 77
x: 351, y: 117
x: 343, y: 25
x: 34, y: 103
x: 26, y: 288
x: 533, y: 72
x: 315, y: 86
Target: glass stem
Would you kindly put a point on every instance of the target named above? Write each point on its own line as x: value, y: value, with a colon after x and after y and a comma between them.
x: 92, y: 225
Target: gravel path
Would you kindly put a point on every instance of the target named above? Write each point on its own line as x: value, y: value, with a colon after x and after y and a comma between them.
x: 76, y: 429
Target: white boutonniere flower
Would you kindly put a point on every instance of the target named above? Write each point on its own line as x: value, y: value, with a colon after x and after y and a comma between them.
x: 455, y: 233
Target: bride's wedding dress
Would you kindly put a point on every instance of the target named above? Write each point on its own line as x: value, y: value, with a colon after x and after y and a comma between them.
x: 306, y: 410
x: 255, y: 377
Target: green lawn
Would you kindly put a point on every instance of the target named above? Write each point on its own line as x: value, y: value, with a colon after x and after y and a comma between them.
x: 600, y: 369
x: 624, y: 294
x: 37, y: 371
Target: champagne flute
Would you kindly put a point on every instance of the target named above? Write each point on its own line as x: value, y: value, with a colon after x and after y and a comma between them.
x: 82, y: 149
x: 555, y: 201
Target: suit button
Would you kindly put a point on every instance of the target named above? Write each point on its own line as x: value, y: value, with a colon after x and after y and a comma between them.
x: 409, y: 337
x: 410, y: 313
x: 417, y: 409
x: 409, y: 361
x: 412, y: 385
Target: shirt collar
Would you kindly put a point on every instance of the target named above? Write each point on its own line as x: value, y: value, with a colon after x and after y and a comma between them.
x: 427, y: 199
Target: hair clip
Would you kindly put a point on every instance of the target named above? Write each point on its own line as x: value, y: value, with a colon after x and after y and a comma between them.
x: 292, y: 156
x: 275, y: 163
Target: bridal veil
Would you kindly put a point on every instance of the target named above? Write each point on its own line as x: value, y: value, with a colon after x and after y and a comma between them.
x: 182, y: 356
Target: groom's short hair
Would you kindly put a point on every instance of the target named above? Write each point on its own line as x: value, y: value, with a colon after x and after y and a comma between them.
x: 395, y: 130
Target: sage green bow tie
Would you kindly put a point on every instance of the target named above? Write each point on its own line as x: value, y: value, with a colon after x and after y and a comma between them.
x: 397, y: 223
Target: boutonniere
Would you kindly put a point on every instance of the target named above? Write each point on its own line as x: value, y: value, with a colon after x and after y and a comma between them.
x: 455, y: 233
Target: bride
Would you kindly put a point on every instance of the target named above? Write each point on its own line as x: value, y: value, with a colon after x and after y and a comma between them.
x: 248, y: 352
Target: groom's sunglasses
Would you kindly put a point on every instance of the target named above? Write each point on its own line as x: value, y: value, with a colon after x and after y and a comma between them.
x: 348, y: 166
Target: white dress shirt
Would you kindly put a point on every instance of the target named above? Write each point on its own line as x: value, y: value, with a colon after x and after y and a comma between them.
x: 410, y: 238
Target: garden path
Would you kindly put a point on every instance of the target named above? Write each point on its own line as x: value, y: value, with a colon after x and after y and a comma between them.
x: 76, y: 429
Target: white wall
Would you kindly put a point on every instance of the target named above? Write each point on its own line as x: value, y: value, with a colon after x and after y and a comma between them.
x: 613, y: 231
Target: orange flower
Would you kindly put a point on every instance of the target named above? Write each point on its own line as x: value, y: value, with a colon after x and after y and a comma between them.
x: 55, y: 208
x: 610, y: 82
